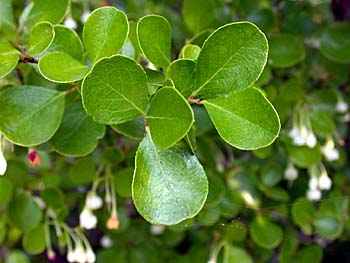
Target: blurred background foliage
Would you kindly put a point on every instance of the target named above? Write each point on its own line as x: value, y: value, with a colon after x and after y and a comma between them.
x: 288, y: 202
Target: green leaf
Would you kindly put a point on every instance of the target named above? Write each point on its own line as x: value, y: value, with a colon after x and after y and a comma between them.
x: 6, y: 189
x: 40, y: 38
x: 43, y: 10
x: 62, y: 68
x: 309, y: 254
x: 134, y: 129
x: 67, y: 41
x: 190, y: 52
x: 285, y: 51
x: 236, y: 255
x: 154, y: 35
x: 105, y: 32
x: 115, y: 90
x: 83, y: 171
x: 17, y: 256
x: 198, y: 16
x: 265, y: 233
x: 78, y: 134
x: 232, y: 59
x: 245, y: 119
x: 169, y: 124
x: 302, y: 214
x: 9, y: 57
x: 181, y: 72
x: 24, y: 213
x: 328, y: 226
x: 304, y: 156
x: 30, y: 115
x: 169, y: 186
x: 34, y: 240
x: 6, y: 15
x: 123, y: 182
x: 335, y: 42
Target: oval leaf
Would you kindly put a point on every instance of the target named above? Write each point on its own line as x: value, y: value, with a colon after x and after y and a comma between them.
x: 30, y: 115
x: 9, y: 57
x: 232, y: 58
x: 41, y: 37
x: 78, y: 134
x: 24, y: 213
x: 245, y: 119
x: 62, y: 68
x: 154, y: 35
x: 115, y: 91
x: 265, y: 233
x: 335, y: 43
x: 285, y: 51
x: 105, y: 32
x: 43, y: 10
x: 67, y: 41
x: 34, y: 240
x: 170, y: 117
x: 181, y: 72
x: 169, y: 186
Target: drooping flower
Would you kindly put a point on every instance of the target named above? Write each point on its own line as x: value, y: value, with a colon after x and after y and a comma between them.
x: 3, y: 163
x: 342, y: 106
x: 329, y: 151
x: 302, y: 136
x: 51, y: 255
x: 93, y: 201
x: 313, y: 194
x: 291, y: 173
x: 90, y: 256
x: 113, y: 222
x: 87, y: 219
x: 70, y: 22
x: 157, y: 230
x: 106, y: 242
x: 85, y: 16
x: 80, y: 254
x: 33, y: 158
x: 313, y: 183
x: 324, y: 182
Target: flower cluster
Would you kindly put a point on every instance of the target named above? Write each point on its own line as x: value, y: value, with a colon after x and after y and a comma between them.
x: 319, y: 180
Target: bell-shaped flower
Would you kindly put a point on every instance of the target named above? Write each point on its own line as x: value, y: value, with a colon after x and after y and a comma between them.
x: 93, y: 201
x: 3, y: 164
x: 291, y: 173
x: 313, y: 194
x: 87, y: 219
x: 70, y: 22
x: 329, y: 151
x: 324, y: 182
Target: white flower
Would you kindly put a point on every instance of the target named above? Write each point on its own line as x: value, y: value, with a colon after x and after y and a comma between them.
x: 3, y: 163
x: 295, y: 134
x: 345, y: 118
x: 70, y: 22
x: 157, y: 230
x: 324, y: 182
x: 71, y: 256
x: 313, y: 183
x: 212, y: 260
x: 313, y: 194
x: 93, y: 201
x: 106, y: 242
x: 90, y: 256
x: 87, y: 219
x: 291, y: 173
x: 329, y: 151
x: 311, y: 140
x: 85, y: 16
x: 80, y: 255
x: 342, y: 106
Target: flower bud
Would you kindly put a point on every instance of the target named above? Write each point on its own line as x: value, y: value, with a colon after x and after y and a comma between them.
x: 34, y: 158
x: 3, y: 164
x: 113, y: 222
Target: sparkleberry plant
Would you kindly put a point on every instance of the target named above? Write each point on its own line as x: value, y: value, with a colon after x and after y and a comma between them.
x: 173, y: 124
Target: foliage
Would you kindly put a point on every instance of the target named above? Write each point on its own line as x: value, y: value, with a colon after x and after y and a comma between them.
x: 221, y: 124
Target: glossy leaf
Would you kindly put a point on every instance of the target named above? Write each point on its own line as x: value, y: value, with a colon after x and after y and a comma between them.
x: 154, y: 35
x: 231, y: 59
x: 335, y: 43
x: 67, y: 41
x: 304, y: 156
x: 181, y: 72
x: 285, y: 51
x: 198, y: 16
x: 30, y: 115
x: 34, y: 240
x: 244, y: 119
x: 169, y: 186
x: 24, y: 213
x: 9, y: 57
x: 170, y: 117
x: 43, y: 10
x: 236, y: 255
x: 41, y: 37
x: 265, y: 233
x: 105, y: 32
x: 190, y: 52
x: 62, y: 68
x: 302, y: 214
x: 78, y: 134
x: 134, y: 129
x: 115, y: 91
